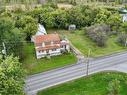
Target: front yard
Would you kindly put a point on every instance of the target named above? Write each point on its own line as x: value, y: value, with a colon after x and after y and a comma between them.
x: 79, y: 40
x: 83, y: 43
x: 33, y: 65
x: 96, y: 84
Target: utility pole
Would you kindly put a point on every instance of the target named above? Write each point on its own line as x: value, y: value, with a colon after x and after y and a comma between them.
x: 88, y: 60
x: 4, y: 50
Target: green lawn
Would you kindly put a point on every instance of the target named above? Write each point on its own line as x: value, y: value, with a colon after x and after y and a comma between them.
x: 83, y: 43
x: 96, y: 84
x: 33, y: 65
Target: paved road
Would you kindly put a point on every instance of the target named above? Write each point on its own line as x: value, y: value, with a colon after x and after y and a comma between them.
x: 47, y: 79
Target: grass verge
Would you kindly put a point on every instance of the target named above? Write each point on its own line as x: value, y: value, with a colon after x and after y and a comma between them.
x: 96, y: 84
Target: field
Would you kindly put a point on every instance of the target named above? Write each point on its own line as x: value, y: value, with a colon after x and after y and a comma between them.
x: 96, y: 84
x: 33, y: 65
x: 83, y: 43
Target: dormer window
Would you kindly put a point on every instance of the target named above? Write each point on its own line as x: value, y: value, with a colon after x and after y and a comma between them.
x: 52, y: 42
x: 43, y: 44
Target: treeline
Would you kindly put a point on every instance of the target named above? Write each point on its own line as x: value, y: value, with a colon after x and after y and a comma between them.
x: 58, y: 1
x: 91, y: 1
x: 21, y: 1
x: 53, y: 17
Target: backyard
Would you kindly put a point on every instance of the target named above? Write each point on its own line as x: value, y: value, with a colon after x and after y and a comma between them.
x: 96, y: 84
x: 33, y: 65
x: 80, y: 40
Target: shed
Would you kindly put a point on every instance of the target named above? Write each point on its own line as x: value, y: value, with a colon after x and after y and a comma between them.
x: 72, y: 27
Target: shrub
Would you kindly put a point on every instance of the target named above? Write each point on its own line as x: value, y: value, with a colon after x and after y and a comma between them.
x: 98, y: 33
x: 114, y: 87
x: 101, y: 39
x: 122, y: 39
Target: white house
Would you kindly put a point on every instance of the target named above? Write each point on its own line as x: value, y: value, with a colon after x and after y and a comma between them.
x: 50, y: 45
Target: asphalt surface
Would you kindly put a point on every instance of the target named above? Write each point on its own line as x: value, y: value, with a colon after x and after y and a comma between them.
x: 35, y: 83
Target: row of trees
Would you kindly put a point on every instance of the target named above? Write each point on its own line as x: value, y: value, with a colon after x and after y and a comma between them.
x: 81, y: 16
x: 91, y: 1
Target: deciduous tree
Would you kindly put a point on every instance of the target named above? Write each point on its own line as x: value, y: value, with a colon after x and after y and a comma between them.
x: 11, y: 76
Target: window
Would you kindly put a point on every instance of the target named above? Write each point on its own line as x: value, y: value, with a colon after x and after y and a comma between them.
x: 47, y: 51
x: 53, y: 49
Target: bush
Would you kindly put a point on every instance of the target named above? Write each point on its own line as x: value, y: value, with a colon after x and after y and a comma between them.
x: 101, y: 39
x: 98, y: 33
x: 122, y: 39
x: 114, y: 87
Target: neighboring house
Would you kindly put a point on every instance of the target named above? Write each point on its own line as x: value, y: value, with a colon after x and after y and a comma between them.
x: 50, y: 45
x: 124, y: 17
x: 41, y: 31
x: 123, y: 13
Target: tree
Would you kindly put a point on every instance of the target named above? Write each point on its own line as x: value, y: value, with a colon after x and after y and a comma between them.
x: 98, y: 33
x: 102, y: 16
x: 11, y: 36
x: 114, y: 87
x: 122, y: 38
x: 101, y: 38
x: 28, y: 25
x: 47, y: 20
x: 123, y: 27
x: 89, y: 13
x: 11, y: 76
x: 114, y: 21
x: 60, y: 18
x: 75, y: 16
